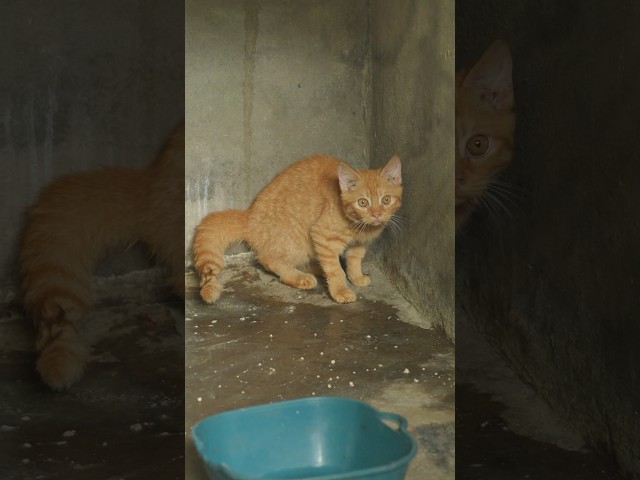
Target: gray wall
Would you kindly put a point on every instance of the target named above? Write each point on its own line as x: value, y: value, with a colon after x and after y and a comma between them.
x: 412, y: 115
x: 555, y: 288
x: 269, y: 82
x: 84, y: 85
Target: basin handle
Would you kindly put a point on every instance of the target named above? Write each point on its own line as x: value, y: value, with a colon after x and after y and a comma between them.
x: 395, y: 418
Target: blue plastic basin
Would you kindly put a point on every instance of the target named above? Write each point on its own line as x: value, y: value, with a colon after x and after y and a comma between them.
x: 319, y: 438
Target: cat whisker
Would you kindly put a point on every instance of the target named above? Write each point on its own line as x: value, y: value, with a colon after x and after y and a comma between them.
x: 506, y: 185
x: 497, y: 208
x: 488, y: 202
x: 359, y: 227
x: 504, y: 192
x: 504, y: 197
x: 395, y: 223
x: 398, y: 220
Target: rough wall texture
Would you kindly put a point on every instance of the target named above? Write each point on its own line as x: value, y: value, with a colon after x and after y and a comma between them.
x: 268, y: 83
x: 412, y: 115
x: 555, y: 287
x: 84, y: 85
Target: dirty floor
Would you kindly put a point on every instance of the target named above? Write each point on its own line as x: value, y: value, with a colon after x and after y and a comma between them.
x: 264, y: 341
x: 124, y: 419
x: 504, y: 430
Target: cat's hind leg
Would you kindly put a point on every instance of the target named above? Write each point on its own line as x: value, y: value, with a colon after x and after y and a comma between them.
x: 56, y: 297
x: 289, y: 275
x: 216, y: 232
x: 62, y: 353
x: 354, y: 256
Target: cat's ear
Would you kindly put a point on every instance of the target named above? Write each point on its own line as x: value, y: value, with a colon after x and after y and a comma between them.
x: 392, y: 171
x: 347, y: 177
x: 490, y: 77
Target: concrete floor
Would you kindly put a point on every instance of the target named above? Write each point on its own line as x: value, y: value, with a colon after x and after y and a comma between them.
x: 264, y: 341
x: 124, y: 419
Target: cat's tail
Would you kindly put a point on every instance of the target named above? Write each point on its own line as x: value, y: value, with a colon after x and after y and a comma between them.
x: 76, y: 219
x: 216, y: 232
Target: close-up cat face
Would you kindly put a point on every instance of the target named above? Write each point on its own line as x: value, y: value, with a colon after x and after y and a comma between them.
x: 371, y: 197
x: 484, y: 127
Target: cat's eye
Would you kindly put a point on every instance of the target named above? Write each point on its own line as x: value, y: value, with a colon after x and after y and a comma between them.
x: 363, y: 203
x: 386, y: 200
x: 477, y: 145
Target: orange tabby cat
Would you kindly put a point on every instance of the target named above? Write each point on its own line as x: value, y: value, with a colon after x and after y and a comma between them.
x: 318, y: 208
x: 484, y: 128
x: 76, y: 219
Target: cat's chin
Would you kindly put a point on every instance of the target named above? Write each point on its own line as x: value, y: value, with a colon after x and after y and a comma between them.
x: 376, y: 223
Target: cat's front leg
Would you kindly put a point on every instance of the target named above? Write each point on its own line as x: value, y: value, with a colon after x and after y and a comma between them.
x: 328, y: 249
x: 354, y: 256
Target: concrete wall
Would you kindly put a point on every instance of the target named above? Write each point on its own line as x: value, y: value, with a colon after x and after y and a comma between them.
x: 555, y: 287
x: 267, y: 83
x: 412, y: 115
x: 84, y: 85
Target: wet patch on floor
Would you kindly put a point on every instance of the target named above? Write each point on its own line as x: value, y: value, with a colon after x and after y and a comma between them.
x: 264, y: 341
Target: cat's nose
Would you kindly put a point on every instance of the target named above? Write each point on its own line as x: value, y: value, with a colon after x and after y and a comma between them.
x: 376, y: 215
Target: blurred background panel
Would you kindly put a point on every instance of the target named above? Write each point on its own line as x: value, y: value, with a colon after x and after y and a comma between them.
x: 86, y: 85
x: 552, y: 283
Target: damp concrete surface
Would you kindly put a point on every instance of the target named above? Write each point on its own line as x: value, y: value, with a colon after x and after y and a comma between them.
x: 263, y: 341
x: 124, y: 418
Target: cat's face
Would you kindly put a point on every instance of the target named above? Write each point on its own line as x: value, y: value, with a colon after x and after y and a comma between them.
x: 371, y: 197
x: 484, y: 126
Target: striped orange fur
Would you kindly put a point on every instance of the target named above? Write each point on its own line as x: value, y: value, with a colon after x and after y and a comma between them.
x: 485, y: 124
x: 318, y: 208
x: 72, y: 225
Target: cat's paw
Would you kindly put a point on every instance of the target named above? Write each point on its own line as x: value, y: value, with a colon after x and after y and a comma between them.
x: 361, y: 281
x: 304, y: 281
x: 211, y: 290
x: 344, y: 295
x: 62, y: 362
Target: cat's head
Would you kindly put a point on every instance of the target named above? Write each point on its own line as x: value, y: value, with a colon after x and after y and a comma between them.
x: 371, y: 197
x: 485, y: 122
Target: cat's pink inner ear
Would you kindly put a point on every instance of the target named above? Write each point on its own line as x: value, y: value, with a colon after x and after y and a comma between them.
x: 347, y: 177
x: 491, y: 76
x: 392, y: 171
